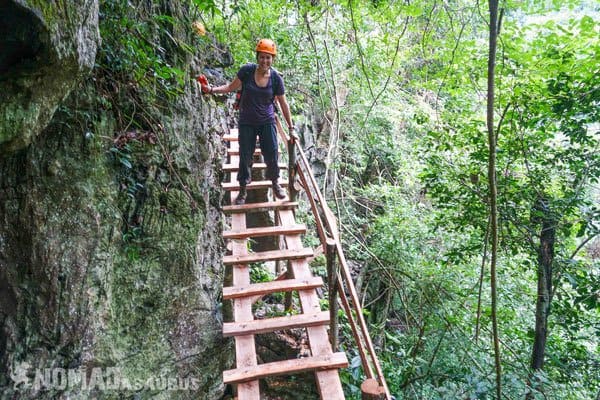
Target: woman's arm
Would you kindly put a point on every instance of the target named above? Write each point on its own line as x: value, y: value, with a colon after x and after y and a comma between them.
x: 230, y: 87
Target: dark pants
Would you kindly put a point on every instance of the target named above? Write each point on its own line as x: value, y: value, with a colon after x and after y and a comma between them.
x: 267, y: 135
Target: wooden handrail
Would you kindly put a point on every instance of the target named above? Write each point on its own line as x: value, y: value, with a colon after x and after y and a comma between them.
x: 328, y: 232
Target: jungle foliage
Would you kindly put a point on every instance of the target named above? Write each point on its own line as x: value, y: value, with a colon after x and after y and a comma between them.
x: 395, y: 93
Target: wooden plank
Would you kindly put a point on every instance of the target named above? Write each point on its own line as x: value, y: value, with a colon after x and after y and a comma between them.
x: 234, y: 137
x: 234, y: 146
x: 236, y: 152
x: 328, y: 382
x: 275, y: 324
x: 280, y: 277
x: 262, y: 288
x: 264, y: 231
x: 315, y: 363
x: 271, y: 255
x: 260, y: 207
x: 230, y: 138
x: 252, y: 185
x: 245, y: 348
x: 235, y: 167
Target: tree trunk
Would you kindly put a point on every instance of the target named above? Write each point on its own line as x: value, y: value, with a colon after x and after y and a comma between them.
x: 544, y: 291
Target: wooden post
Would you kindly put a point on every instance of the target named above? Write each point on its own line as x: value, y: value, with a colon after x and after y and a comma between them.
x: 371, y: 390
x: 289, y: 296
x: 332, y: 274
x: 292, y: 169
x: 292, y: 196
x: 279, y: 263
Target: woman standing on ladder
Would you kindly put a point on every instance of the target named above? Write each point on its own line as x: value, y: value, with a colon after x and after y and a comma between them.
x: 261, y: 85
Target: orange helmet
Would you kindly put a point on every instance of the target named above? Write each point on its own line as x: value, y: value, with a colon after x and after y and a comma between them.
x: 266, y: 46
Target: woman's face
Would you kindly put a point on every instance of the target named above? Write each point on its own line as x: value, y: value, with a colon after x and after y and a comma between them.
x: 265, y: 60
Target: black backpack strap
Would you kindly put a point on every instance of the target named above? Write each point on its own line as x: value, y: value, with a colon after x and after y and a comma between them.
x: 249, y: 72
x: 274, y: 82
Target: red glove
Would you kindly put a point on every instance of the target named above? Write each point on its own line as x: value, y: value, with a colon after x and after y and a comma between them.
x: 203, y: 84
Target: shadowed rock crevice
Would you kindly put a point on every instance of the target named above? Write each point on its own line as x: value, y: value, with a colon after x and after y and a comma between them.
x: 23, y: 40
x: 44, y: 50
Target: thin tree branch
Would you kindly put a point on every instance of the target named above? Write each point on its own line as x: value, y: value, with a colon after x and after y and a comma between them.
x: 389, y: 75
x: 481, y: 274
x: 359, y: 49
x: 493, y: 9
x: 582, y: 245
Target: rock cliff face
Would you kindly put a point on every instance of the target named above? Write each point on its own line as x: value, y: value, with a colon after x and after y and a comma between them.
x: 110, y: 249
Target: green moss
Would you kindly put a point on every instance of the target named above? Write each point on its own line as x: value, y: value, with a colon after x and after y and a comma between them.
x: 50, y: 11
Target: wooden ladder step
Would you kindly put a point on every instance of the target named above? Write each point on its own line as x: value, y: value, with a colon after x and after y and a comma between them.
x: 260, y: 207
x: 236, y: 152
x: 315, y: 363
x: 265, y: 231
x: 271, y: 255
x: 234, y: 167
x: 262, y: 288
x: 235, y: 138
x: 252, y: 185
x: 275, y: 324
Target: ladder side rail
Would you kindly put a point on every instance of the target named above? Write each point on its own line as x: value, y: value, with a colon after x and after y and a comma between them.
x: 315, y: 210
x: 361, y: 319
x: 347, y: 308
x: 332, y: 292
x: 332, y: 225
x: 333, y: 233
x: 357, y: 334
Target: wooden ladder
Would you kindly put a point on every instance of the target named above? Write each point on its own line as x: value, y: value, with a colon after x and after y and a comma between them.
x: 323, y: 361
